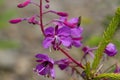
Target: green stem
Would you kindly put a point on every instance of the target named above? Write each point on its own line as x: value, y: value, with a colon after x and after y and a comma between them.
x: 107, y: 37
x: 111, y: 76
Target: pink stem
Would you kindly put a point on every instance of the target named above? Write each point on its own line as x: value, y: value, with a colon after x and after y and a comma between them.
x: 41, y: 21
x: 65, y: 53
x: 49, y: 11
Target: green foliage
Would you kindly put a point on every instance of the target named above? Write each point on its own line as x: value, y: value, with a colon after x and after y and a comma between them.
x: 87, y: 70
x: 107, y: 37
x: 93, y: 41
x: 117, y: 43
x: 4, y: 44
x: 111, y: 76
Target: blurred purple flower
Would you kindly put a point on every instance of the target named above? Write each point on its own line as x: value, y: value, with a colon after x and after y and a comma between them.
x: 63, y: 63
x: 56, y: 36
x: 117, y: 70
x: 110, y: 49
x: 88, y: 50
x: 45, y: 66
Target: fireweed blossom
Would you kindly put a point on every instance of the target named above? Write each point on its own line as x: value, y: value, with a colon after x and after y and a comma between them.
x: 110, y: 49
x: 75, y: 30
x: 117, y: 69
x: 88, y: 50
x: 68, y: 33
x: 45, y: 66
x: 72, y: 23
x: 57, y: 36
x: 76, y: 35
x: 63, y: 63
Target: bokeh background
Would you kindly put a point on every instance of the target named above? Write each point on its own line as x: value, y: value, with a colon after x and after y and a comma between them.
x: 20, y: 42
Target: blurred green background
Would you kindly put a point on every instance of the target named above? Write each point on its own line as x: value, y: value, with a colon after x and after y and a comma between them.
x: 20, y: 42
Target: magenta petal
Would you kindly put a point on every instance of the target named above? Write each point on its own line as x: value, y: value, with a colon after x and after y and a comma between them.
x: 77, y: 43
x: 42, y: 56
x: 66, y: 41
x: 76, y: 32
x: 65, y: 31
x: 63, y: 63
x: 111, y: 49
x: 52, y: 73
x: 73, y: 20
x: 49, y: 31
x: 40, y: 69
x: 47, y: 42
x: 63, y: 19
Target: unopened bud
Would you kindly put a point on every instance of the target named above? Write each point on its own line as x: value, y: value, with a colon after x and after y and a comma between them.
x: 47, y: 6
x: 15, y: 21
x: 63, y: 14
x: 32, y: 20
x: 110, y: 49
x: 24, y: 4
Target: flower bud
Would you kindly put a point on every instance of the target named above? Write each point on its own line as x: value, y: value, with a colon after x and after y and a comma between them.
x: 47, y: 6
x: 15, y: 21
x: 32, y: 20
x: 47, y: 1
x: 111, y: 50
x: 63, y: 14
x: 24, y: 4
x: 117, y: 69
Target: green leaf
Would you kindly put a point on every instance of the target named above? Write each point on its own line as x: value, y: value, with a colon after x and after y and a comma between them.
x: 87, y: 70
x: 111, y: 76
x: 107, y: 37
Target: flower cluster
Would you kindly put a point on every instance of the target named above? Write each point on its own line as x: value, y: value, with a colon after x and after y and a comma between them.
x: 46, y: 65
x: 68, y: 37
x: 62, y: 35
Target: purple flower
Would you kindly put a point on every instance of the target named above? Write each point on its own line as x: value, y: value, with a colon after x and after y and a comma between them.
x: 45, y: 66
x: 117, y: 70
x: 76, y: 36
x: 110, y: 49
x: 88, y: 50
x: 72, y: 23
x: 63, y: 63
x: 57, y: 36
